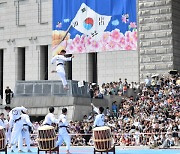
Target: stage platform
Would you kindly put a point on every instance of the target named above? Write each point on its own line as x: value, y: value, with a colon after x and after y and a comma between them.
x: 38, y: 96
x: 51, y: 88
x: 119, y: 150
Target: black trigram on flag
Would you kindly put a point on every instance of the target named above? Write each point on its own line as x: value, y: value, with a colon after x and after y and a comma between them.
x: 89, y: 22
x: 94, y: 33
x: 83, y: 10
x: 75, y: 24
x: 101, y: 20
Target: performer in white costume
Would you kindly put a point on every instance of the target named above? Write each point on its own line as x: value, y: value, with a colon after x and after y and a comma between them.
x: 99, y: 120
x: 3, y: 121
x: 16, y: 124
x: 60, y: 60
x: 63, y: 133
x: 8, y: 134
x: 49, y: 118
x: 4, y: 124
x: 25, y: 131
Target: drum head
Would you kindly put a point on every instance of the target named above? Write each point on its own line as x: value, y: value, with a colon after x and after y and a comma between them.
x: 1, y: 127
x: 45, y: 127
x: 101, y: 128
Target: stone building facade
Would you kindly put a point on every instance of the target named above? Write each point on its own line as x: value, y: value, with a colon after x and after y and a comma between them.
x: 159, y: 36
x: 25, y: 45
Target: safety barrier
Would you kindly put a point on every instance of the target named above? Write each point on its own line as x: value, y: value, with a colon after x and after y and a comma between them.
x: 129, y: 139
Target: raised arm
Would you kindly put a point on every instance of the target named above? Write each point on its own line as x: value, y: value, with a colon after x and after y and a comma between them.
x: 66, y: 58
x: 95, y: 108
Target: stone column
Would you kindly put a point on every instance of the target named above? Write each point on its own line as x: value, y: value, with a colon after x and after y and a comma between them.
x: 176, y: 33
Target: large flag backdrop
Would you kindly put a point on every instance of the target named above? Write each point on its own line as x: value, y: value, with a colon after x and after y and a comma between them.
x: 94, y: 25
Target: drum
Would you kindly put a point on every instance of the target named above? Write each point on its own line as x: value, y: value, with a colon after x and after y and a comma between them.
x: 46, y: 138
x: 2, y: 138
x: 102, y: 138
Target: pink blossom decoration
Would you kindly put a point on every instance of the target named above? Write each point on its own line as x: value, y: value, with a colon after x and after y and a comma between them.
x: 133, y: 25
x: 106, y: 37
x: 125, y: 18
x: 128, y: 47
x: 109, y: 41
x: 115, y: 35
x: 112, y: 44
x: 95, y: 44
x: 80, y: 49
x: 77, y: 39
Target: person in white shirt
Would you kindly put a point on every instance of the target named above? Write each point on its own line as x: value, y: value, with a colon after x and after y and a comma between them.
x: 99, y: 120
x: 16, y: 125
x: 3, y: 123
x: 8, y: 134
x: 50, y: 118
x: 26, y: 126
x: 60, y: 59
x: 147, y: 82
x: 63, y: 133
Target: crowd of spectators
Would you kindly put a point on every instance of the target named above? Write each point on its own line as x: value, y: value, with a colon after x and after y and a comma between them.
x: 151, y: 118
x: 119, y: 88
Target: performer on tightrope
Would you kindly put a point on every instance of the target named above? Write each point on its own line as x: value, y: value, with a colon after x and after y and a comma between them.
x: 63, y: 133
x: 60, y: 60
x: 99, y: 120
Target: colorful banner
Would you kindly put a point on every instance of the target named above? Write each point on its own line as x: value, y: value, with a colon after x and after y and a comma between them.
x: 82, y: 26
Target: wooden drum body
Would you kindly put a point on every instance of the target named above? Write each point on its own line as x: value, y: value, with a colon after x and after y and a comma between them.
x: 2, y: 138
x: 102, y: 138
x: 46, y: 138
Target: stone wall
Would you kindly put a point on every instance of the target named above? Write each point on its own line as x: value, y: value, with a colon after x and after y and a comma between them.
x: 25, y: 30
x: 155, y: 36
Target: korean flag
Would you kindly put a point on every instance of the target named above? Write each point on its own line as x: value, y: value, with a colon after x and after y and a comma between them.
x: 90, y: 23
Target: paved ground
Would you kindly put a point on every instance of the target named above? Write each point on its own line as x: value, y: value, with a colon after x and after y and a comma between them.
x: 119, y: 150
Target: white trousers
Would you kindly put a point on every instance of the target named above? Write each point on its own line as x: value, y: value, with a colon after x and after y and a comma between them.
x: 63, y: 136
x: 8, y: 136
x: 16, y: 135
x: 26, y: 136
x: 61, y: 72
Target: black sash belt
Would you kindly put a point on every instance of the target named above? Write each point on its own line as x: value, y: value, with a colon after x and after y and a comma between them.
x: 62, y: 126
x: 17, y: 119
x: 60, y: 64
